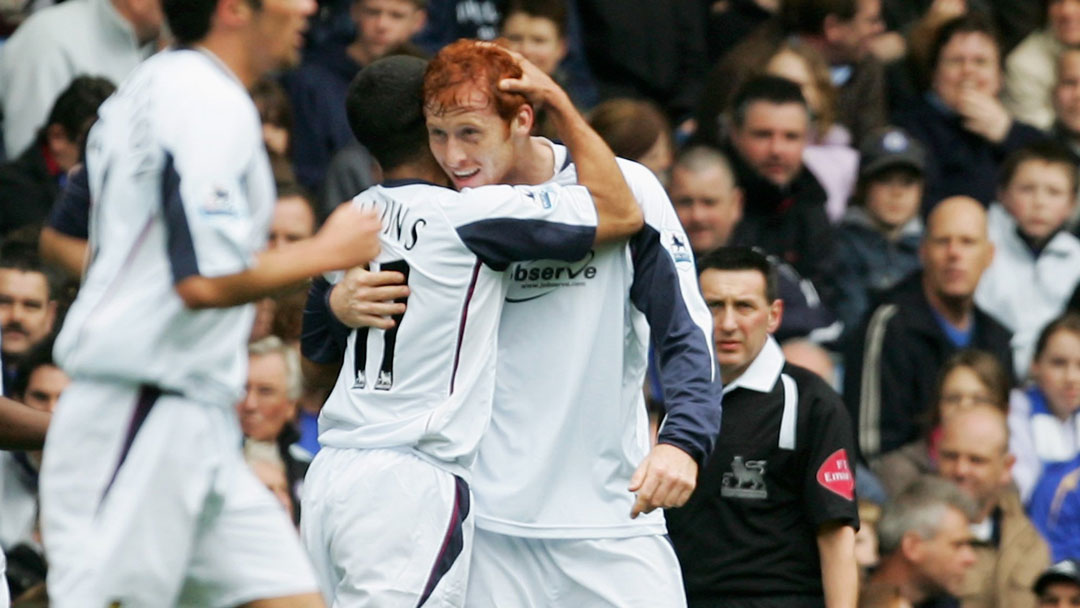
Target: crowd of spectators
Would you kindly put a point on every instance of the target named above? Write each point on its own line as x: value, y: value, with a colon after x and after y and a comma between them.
x: 909, y: 167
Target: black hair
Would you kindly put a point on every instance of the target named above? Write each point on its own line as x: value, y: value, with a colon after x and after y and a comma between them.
x: 189, y: 20
x: 968, y: 23
x: 1047, y: 151
x: 808, y: 16
x: 1070, y: 321
x: 771, y: 89
x: 743, y: 258
x: 385, y: 107
x: 23, y: 256
x: 39, y: 355
x: 552, y: 10
x: 75, y: 109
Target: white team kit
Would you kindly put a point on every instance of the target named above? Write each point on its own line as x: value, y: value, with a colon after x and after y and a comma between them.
x: 569, y: 423
x: 386, y: 511
x: 146, y: 500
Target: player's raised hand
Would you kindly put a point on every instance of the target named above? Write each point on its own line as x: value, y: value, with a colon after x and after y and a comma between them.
x: 366, y: 299
x: 534, y: 84
x: 350, y: 236
x: 666, y: 478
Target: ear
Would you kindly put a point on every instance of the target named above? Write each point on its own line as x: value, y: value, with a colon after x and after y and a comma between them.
x: 831, y: 28
x: 911, y: 547
x: 564, y: 48
x: 739, y: 200
x: 1006, y: 473
x: 776, y: 314
x: 419, y: 21
x: 50, y: 314
x: 522, y: 123
x: 233, y: 13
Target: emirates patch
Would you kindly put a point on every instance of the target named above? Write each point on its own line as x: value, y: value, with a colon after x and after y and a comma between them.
x: 835, y: 475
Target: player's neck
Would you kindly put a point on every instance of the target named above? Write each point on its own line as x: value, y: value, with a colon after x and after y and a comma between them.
x: 231, y: 51
x: 426, y: 169
x: 534, y: 162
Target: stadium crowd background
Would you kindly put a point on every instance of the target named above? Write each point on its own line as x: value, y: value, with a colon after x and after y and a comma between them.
x: 917, y: 313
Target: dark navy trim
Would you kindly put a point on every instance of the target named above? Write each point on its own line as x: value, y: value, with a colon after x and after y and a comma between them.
x: 453, y: 541
x: 148, y: 396
x: 322, y: 337
x: 464, y: 320
x: 566, y: 163
x: 408, y: 181
x: 691, y: 382
x: 71, y: 213
x: 180, y: 246
x: 500, y: 241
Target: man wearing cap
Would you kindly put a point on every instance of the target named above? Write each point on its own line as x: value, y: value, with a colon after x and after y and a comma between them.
x: 1059, y: 586
x: 877, y: 242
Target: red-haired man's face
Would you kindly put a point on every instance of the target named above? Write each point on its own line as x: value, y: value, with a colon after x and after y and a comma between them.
x: 471, y: 142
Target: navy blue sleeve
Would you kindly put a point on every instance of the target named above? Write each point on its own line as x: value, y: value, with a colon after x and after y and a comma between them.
x: 323, y: 337
x: 498, y: 242
x: 180, y: 246
x: 71, y: 213
x: 691, y: 382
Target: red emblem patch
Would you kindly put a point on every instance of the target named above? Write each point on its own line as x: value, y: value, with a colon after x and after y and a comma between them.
x: 836, y: 476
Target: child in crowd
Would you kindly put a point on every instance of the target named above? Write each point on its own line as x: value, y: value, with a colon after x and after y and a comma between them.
x: 877, y: 242
x: 967, y: 378
x: 1036, y: 263
x: 1044, y: 419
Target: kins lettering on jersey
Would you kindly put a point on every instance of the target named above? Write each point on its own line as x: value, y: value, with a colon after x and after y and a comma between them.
x: 397, y: 224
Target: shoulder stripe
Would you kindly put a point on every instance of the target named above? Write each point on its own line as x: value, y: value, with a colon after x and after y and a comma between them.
x: 791, y: 413
x: 870, y: 390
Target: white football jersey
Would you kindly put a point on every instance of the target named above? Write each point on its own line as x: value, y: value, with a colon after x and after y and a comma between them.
x: 569, y: 424
x: 181, y: 186
x: 426, y: 385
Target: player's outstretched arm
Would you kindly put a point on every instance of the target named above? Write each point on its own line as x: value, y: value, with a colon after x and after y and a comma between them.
x: 348, y: 238
x: 21, y: 427
x: 618, y: 213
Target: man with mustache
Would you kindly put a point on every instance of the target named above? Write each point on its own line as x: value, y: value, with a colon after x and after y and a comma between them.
x: 27, y: 305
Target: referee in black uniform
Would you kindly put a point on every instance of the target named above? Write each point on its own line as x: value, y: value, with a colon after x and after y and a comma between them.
x: 772, y: 522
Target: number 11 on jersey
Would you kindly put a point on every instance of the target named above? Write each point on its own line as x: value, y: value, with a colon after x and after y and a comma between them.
x: 384, y: 380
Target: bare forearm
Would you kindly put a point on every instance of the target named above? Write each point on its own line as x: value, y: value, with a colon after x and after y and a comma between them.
x: 21, y: 427
x: 68, y: 252
x: 617, y: 210
x: 839, y: 571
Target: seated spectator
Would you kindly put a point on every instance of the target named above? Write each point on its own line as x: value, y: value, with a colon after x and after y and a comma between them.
x: 268, y: 411
x: 709, y: 206
x: 842, y: 31
x: 969, y: 377
x: 38, y: 384
x: 269, y: 469
x: 877, y: 242
x: 30, y: 183
x: 538, y: 30
x: 1030, y: 68
x: 28, y: 303
x: 965, y: 128
x: 1066, y: 96
x: 895, y: 356
x: 1010, y: 554
x: 827, y: 154
x: 784, y: 214
x: 866, y: 539
x: 637, y: 130
x: 925, y: 546
x: 105, y: 38
x: 1044, y: 419
x: 806, y: 354
x: 1059, y: 586
x: 1036, y: 262
x: 730, y: 22
x: 275, y: 113
x: 1055, y: 507
x: 317, y: 88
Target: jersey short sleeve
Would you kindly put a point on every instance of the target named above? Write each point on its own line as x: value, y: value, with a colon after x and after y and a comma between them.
x: 70, y: 214
x: 503, y: 224
x: 206, y: 188
x: 829, y: 482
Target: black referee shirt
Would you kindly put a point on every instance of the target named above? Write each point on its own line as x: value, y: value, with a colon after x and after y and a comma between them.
x: 780, y: 470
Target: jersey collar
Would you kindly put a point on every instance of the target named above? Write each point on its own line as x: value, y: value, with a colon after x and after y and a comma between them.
x: 763, y: 372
